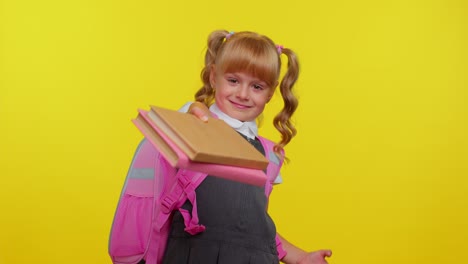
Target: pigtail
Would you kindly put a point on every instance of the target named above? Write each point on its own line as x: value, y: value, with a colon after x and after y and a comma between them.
x: 282, y: 120
x: 206, y: 93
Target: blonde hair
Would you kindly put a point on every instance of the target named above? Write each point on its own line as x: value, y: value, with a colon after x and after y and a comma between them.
x: 257, y: 55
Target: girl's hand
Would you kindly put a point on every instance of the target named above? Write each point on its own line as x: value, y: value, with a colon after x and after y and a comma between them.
x: 199, y: 110
x: 316, y: 257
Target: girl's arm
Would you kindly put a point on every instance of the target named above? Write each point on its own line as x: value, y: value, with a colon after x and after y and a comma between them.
x: 296, y: 255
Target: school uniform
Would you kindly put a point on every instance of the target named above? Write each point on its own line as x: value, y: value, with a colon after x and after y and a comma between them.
x: 238, y: 227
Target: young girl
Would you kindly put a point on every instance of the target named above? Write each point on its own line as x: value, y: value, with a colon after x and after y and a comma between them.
x: 240, y: 76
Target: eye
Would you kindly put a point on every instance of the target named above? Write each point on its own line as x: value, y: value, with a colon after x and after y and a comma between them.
x: 258, y: 87
x: 232, y: 80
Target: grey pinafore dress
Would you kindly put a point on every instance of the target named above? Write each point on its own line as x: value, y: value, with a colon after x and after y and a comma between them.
x: 238, y: 228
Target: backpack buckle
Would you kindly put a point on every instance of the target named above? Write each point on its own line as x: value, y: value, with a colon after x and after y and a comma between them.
x: 184, y: 181
x: 167, y: 204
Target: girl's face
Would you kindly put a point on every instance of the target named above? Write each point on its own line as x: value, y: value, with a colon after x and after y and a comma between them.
x: 240, y: 95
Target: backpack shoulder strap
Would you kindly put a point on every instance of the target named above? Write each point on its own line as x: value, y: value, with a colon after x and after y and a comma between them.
x: 172, y: 187
x: 275, y: 162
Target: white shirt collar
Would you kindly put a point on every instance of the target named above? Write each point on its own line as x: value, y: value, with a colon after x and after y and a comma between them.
x: 248, y: 129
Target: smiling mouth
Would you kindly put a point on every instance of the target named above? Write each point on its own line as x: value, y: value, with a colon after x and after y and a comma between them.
x: 240, y: 106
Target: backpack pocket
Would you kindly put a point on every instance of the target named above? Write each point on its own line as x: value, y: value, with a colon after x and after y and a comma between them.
x: 132, y: 222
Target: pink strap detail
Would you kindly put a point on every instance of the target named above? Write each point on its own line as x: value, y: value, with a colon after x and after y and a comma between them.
x: 190, y: 227
x: 279, y: 247
x: 190, y: 220
x: 168, y: 203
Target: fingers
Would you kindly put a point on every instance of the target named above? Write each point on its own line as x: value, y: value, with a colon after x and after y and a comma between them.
x: 199, y: 110
x: 199, y: 113
x: 326, y: 253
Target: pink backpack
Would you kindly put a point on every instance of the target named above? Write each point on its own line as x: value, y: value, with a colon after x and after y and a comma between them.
x: 152, y: 191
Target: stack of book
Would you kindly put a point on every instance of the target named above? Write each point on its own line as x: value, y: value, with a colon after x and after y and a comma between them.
x: 211, y: 147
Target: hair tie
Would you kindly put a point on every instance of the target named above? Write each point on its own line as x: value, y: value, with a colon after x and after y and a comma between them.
x: 279, y: 48
x: 230, y: 34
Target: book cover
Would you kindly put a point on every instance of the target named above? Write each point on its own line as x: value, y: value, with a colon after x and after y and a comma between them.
x: 177, y: 158
x: 213, y: 141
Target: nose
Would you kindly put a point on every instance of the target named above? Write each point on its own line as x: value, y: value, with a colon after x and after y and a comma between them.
x: 243, y: 92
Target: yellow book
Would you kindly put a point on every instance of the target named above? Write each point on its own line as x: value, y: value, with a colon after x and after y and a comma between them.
x: 213, y: 141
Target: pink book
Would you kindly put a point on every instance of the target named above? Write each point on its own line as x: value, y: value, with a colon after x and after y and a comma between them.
x: 177, y: 158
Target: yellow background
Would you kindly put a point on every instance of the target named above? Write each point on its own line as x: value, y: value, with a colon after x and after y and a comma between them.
x: 378, y: 170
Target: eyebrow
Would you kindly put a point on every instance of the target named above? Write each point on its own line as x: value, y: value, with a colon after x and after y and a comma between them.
x: 255, y: 79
